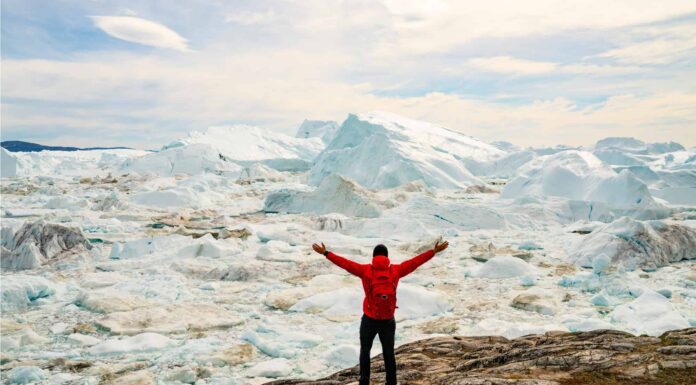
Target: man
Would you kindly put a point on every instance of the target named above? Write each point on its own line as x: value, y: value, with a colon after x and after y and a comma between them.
x: 379, y: 279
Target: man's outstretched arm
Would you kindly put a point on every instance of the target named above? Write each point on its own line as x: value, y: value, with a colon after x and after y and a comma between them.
x: 346, y: 264
x: 412, y: 264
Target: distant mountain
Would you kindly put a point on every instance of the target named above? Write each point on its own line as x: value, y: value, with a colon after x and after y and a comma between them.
x: 20, y: 146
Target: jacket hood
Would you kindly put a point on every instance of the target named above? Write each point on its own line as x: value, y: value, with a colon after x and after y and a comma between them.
x: 380, y: 262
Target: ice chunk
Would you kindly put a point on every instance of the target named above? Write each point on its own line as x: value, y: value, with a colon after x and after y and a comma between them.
x: 145, y: 342
x: 343, y: 356
x: 109, y: 301
x: 504, y: 266
x: 82, y: 340
x: 335, y: 194
x: 8, y: 164
x: 635, y: 244
x: 67, y: 202
x: 600, y: 263
x: 538, y: 303
x: 25, y: 375
x: 192, y: 159
x: 413, y: 301
x: 528, y: 280
x: 326, y: 130
x: 278, y: 341
x: 38, y: 242
x: 19, y: 291
x: 141, y: 248
x: 650, y: 314
x: 277, y: 367
x: 382, y: 150
x: 583, y: 324
x: 173, y: 318
x: 529, y: 245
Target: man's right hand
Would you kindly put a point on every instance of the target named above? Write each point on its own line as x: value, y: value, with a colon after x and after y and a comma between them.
x: 440, y: 246
x: 321, y: 249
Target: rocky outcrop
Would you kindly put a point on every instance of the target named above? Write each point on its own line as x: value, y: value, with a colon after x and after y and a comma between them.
x: 555, y: 358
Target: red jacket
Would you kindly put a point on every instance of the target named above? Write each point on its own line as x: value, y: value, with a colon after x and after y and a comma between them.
x: 360, y: 270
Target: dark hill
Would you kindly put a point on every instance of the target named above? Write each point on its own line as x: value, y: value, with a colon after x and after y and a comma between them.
x: 20, y: 146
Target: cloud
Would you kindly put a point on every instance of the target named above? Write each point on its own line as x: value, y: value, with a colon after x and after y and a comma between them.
x: 510, y: 65
x: 448, y: 24
x: 141, y: 31
x: 250, y: 18
x: 523, y: 67
x: 657, y: 45
x: 137, y: 96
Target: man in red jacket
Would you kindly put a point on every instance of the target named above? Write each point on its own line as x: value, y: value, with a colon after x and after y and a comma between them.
x: 379, y: 279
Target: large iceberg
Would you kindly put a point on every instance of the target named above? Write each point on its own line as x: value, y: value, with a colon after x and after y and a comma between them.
x: 581, y: 176
x: 192, y: 159
x: 381, y: 150
x: 245, y: 145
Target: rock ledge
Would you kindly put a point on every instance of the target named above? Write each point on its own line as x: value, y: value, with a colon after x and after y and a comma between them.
x: 554, y: 358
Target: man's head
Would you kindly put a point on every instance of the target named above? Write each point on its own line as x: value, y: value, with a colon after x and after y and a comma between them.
x: 380, y: 250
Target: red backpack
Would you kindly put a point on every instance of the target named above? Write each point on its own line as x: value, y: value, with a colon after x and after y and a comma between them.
x: 381, y: 297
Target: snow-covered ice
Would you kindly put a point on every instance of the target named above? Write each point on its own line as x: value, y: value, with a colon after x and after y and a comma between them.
x: 164, y: 266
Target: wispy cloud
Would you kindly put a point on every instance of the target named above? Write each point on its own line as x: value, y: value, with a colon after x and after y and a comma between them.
x: 657, y: 45
x: 523, y: 67
x: 141, y: 31
x: 250, y: 18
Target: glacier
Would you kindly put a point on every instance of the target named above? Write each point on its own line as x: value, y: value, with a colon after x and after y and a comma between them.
x: 192, y: 263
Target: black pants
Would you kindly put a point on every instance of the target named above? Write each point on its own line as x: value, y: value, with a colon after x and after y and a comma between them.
x: 370, y: 327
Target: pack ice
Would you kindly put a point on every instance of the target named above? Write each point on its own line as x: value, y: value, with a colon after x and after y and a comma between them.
x: 192, y: 264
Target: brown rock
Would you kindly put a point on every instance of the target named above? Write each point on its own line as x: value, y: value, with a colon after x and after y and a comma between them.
x: 550, y: 359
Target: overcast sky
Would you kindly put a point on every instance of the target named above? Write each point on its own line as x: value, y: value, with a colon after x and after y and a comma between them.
x: 535, y: 72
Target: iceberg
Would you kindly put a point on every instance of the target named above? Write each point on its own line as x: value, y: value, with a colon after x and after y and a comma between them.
x: 335, y: 194
x: 581, y: 176
x: 381, y: 150
x: 635, y: 244
x: 8, y: 164
x: 245, y: 145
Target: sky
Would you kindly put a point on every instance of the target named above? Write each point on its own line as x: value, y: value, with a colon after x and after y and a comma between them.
x: 535, y: 73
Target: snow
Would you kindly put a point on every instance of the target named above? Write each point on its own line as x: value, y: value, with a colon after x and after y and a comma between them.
x: 381, y: 150
x: 145, y: 342
x: 505, y: 266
